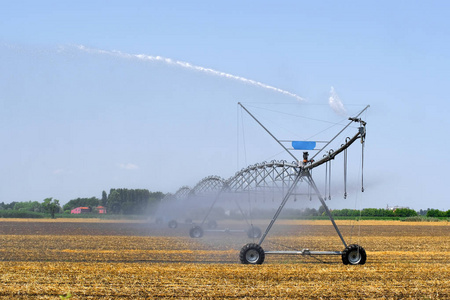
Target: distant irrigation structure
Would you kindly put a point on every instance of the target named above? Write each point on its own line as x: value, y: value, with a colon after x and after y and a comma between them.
x: 281, y: 179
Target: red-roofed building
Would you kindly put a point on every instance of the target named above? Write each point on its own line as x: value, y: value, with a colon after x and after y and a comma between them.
x: 83, y: 210
x: 101, y: 209
x: 80, y: 210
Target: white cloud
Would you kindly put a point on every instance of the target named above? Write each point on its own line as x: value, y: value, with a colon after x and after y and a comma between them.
x: 128, y: 166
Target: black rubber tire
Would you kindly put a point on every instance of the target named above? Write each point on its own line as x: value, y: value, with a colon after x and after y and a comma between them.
x: 254, y: 232
x: 196, y: 232
x: 173, y: 224
x: 212, y: 224
x: 252, y: 254
x: 354, y: 255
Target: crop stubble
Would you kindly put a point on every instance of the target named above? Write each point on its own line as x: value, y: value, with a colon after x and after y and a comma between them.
x: 404, y: 261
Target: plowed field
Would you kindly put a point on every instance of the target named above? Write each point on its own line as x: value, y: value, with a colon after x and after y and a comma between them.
x: 96, y: 259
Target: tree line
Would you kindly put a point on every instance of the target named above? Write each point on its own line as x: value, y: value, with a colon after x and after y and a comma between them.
x: 30, y: 209
x: 144, y: 202
x: 375, y: 212
x: 118, y: 201
x: 121, y: 201
x: 132, y: 202
x: 390, y: 213
x: 290, y: 213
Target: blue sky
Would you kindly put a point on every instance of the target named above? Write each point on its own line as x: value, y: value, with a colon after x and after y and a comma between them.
x: 76, y: 122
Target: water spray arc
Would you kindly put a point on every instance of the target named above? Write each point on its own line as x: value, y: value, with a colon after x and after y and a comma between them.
x: 186, y: 65
x: 274, y: 176
x: 169, y: 209
x: 165, y: 212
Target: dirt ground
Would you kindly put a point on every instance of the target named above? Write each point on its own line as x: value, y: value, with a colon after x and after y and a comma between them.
x: 98, y: 259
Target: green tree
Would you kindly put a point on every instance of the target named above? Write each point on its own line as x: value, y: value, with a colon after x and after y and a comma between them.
x: 8, y: 206
x: 308, y: 212
x: 405, y: 212
x: 87, y: 202
x: 369, y: 212
x: 114, y: 202
x: 28, y: 206
x: 322, y: 211
x: 104, y: 200
x: 153, y: 201
x: 423, y: 212
x: 345, y: 212
x: 435, y: 213
x: 51, y: 206
x: 377, y: 212
x: 133, y: 201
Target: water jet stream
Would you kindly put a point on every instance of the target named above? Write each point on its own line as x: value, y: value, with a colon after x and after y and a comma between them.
x: 187, y: 65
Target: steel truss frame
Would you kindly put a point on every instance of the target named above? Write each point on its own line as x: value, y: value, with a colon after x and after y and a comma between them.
x: 279, y: 176
x: 253, y: 253
x: 208, y: 185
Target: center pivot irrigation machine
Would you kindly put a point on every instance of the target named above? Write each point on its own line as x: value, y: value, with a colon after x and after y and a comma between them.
x: 353, y: 254
x: 191, y: 204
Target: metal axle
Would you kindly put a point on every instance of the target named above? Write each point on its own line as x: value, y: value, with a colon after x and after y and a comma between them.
x: 226, y: 230
x: 304, y: 252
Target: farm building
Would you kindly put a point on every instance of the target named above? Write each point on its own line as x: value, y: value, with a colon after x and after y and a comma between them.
x: 82, y: 210
x: 101, y: 209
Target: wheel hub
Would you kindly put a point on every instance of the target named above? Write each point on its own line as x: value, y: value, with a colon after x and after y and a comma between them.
x: 354, y: 257
x: 252, y: 256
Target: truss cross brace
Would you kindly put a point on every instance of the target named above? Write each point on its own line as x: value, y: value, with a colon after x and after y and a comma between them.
x: 307, y: 175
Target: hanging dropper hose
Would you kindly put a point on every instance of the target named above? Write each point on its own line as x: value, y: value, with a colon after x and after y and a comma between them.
x: 345, y: 169
x: 326, y: 178
x: 362, y: 130
x: 329, y: 177
x: 362, y: 169
x: 345, y: 174
x: 309, y: 189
